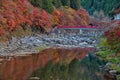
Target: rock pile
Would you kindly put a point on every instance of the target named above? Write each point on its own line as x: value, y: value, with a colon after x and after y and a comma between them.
x: 30, y: 43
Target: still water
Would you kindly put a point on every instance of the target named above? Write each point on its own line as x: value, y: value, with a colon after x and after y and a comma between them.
x: 85, y: 69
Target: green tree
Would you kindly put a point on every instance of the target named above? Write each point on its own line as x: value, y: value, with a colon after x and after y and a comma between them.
x: 37, y: 3
x: 96, y: 5
x: 57, y: 3
x: 47, y: 5
x: 75, y: 4
x: 65, y: 2
x: 43, y: 4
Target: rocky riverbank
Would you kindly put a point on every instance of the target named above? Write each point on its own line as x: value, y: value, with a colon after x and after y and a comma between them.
x: 34, y: 43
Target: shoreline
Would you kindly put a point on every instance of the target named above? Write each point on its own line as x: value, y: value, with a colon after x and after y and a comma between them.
x: 37, y: 43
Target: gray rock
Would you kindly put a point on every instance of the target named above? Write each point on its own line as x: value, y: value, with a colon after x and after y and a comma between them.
x: 112, y: 71
x: 30, y: 42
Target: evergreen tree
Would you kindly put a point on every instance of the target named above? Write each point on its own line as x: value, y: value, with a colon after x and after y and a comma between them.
x: 75, y: 4
x: 36, y: 3
x: 96, y: 5
x: 47, y: 5
x: 57, y: 3
x: 43, y: 4
x: 65, y: 2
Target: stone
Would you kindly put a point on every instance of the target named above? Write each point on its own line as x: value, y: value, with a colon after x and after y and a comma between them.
x: 112, y: 71
x: 30, y: 42
x: 107, y: 65
x: 34, y: 78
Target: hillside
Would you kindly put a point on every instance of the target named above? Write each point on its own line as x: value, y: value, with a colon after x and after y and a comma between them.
x: 96, y: 5
x: 21, y: 16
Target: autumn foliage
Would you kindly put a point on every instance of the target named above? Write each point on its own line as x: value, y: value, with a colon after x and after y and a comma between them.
x: 71, y: 17
x: 16, y: 14
x: 41, y: 19
x: 113, y: 37
x: 56, y: 15
x: 21, y: 14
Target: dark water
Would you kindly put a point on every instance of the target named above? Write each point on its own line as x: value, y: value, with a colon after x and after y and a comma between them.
x: 85, y: 69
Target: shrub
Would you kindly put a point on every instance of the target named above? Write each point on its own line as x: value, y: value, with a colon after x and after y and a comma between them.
x: 113, y: 38
x: 110, y: 48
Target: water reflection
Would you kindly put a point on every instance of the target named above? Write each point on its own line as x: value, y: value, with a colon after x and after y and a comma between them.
x: 85, y: 69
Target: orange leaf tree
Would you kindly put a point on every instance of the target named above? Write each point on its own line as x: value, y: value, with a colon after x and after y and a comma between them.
x: 18, y: 14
